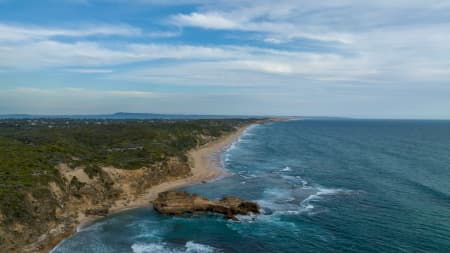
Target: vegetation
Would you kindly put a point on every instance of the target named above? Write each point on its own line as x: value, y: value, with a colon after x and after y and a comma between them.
x: 31, y: 149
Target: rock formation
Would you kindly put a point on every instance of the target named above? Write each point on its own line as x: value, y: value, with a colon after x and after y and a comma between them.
x: 177, y: 203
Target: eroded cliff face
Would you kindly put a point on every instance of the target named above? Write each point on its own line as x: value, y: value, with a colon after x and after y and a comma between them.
x: 77, y: 195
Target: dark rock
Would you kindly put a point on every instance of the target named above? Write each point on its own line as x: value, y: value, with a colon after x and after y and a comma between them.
x: 177, y: 203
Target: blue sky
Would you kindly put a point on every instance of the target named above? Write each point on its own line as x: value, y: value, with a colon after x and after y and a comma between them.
x: 376, y: 59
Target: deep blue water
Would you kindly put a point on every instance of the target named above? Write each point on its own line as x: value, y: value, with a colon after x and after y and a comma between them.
x: 324, y: 185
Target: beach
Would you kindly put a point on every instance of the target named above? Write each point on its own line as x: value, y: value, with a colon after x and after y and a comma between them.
x: 205, y: 164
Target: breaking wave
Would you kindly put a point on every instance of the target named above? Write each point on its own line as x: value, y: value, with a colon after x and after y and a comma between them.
x: 295, y: 196
x: 189, y: 247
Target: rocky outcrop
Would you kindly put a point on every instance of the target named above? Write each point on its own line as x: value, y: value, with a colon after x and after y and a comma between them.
x: 177, y: 203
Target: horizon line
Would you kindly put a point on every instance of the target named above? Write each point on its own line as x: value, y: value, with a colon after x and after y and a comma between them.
x: 63, y: 115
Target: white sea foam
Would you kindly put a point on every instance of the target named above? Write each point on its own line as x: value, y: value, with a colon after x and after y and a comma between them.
x: 232, y: 146
x: 150, y: 248
x: 240, y: 139
x: 246, y: 218
x: 247, y: 132
x: 331, y: 191
x: 303, y: 181
x: 227, y: 152
x: 301, y: 198
x: 189, y: 247
x: 260, y: 226
x: 307, y: 206
x: 244, y: 174
x: 270, y: 207
x: 277, y: 193
x: 277, y: 200
x: 192, y: 247
x: 296, y: 180
x: 248, y: 176
x: 95, y: 226
x: 285, y: 169
x: 148, y: 232
x: 226, y: 158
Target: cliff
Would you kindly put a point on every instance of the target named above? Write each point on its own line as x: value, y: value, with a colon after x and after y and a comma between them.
x: 79, y: 196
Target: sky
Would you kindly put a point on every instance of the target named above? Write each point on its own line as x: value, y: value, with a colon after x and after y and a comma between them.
x: 351, y: 58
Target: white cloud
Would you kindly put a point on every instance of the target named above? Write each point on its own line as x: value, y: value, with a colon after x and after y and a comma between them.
x: 388, y: 41
x: 14, y: 33
x: 327, y: 21
x: 78, y: 92
x: 204, y: 20
x: 279, y: 31
x: 364, y: 41
x: 89, y: 70
x: 265, y: 68
x: 51, y: 53
x: 383, y: 54
x: 163, y: 34
x: 373, y: 56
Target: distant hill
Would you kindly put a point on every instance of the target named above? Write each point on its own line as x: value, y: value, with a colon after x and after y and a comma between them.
x: 131, y: 115
x: 122, y: 115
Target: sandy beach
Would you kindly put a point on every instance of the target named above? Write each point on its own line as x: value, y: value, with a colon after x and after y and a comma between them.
x: 205, y: 166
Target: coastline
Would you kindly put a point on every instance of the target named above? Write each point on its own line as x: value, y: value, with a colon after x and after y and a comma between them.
x: 205, y: 165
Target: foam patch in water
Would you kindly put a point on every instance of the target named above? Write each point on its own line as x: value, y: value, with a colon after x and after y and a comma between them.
x: 295, y: 180
x: 285, y: 169
x: 307, y: 206
x: 189, y: 247
x: 298, y: 199
x: 232, y: 146
x: 240, y: 139
x: 149, y: 248
x: 192, y: 247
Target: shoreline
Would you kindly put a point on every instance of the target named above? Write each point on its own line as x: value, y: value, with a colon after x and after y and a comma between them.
x: 205, y: 163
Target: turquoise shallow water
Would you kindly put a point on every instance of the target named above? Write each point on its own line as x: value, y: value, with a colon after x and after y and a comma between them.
x: 324, y: 185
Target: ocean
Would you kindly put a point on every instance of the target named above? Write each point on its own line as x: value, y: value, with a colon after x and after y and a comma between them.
x: 323, y: 185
